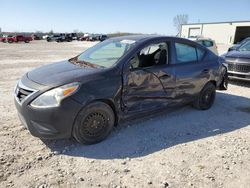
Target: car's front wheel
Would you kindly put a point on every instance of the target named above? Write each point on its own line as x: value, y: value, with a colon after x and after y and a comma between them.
x: 206, y: 97
x: 94, y: 123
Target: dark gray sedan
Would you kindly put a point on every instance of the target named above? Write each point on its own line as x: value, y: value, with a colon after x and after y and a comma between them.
x: 125, y: 77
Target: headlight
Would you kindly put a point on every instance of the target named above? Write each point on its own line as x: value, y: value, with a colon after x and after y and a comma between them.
x: 53, y: 97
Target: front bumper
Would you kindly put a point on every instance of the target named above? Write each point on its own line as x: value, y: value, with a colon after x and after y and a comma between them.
x: 238, y: 68
x: 239, y: 75
x: 48, y: 123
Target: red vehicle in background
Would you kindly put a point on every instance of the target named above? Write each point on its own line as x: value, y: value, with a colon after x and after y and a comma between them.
x: 17, y: 38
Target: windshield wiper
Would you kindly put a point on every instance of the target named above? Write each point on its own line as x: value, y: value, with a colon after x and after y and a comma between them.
x: 84, y: 63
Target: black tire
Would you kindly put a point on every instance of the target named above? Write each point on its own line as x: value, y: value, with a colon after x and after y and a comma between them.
x: 206, y: 97
x: 10, y: 41
x: 94, y: 123
x: 26, y: 41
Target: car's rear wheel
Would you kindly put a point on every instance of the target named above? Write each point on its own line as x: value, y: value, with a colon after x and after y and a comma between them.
x: 94, y: 123
x: 206, y: 97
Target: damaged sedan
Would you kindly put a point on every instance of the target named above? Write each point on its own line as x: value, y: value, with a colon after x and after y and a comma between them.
x: 124, y: 77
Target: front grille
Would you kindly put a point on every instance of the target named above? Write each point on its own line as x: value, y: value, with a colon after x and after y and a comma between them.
x: 23, y: 93
x: 239, y: 68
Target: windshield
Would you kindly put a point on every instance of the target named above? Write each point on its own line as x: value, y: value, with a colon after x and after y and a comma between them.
x: 245, y: 40
x: 104, y: 54
x: 245, y: 47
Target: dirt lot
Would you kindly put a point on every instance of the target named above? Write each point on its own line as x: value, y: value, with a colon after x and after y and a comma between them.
x: 182, y: 148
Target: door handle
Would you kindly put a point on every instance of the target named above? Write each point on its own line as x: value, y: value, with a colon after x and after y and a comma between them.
x: 205, y: 71
x: 164, y: 76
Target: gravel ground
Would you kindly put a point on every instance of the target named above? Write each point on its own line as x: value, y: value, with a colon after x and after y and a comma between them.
x: 179, y: 148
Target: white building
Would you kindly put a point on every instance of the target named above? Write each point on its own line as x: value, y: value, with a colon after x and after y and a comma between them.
x: 221, y: 32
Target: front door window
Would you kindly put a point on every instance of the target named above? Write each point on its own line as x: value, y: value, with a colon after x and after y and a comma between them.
x: 152, y: 55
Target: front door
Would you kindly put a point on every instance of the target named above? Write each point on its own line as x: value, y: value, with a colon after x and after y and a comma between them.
x: 148, y: 83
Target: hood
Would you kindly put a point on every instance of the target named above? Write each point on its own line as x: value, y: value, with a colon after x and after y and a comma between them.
x: 59, y: 73
x: 238, y: 54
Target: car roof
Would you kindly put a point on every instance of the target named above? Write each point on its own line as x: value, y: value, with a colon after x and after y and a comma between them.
x: 204, y: 39
x: 146, y: 37
x: 139, y: 39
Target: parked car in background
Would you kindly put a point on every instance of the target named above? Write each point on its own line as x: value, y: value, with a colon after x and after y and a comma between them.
x: 73, y: 36
x: 36, y: 36
x: 96, y: 37
x: 64, y: 38
x: 44, y: 37
x: 5, y: 38
x: 208, y: 43
x: 102, y: 37
x: 238, y: 61
x: 124, y: 77
x: 234, y: 47
x: 17, y: 38
x: 84, y: 37
x: 55, y: 37
x: 92, y: 37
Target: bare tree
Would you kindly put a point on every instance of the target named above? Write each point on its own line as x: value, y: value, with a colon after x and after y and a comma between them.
x: 179, y: 20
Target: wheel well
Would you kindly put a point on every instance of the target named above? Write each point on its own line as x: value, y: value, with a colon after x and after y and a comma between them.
x: 213, y: 82
x: 111, y: 104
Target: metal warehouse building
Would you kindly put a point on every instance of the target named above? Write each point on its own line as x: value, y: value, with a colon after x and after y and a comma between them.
x: 221, y: 32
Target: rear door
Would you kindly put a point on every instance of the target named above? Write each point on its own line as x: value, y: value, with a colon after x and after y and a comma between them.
x: 148, y: 81
x: 191, y: 70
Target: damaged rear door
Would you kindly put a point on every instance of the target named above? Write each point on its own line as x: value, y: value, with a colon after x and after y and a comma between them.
x: 148, y: 81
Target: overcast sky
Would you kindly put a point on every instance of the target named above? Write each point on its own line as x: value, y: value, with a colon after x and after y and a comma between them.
x: 106, y: 16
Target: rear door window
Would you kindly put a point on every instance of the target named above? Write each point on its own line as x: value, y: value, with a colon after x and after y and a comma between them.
x: 186, y: 53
